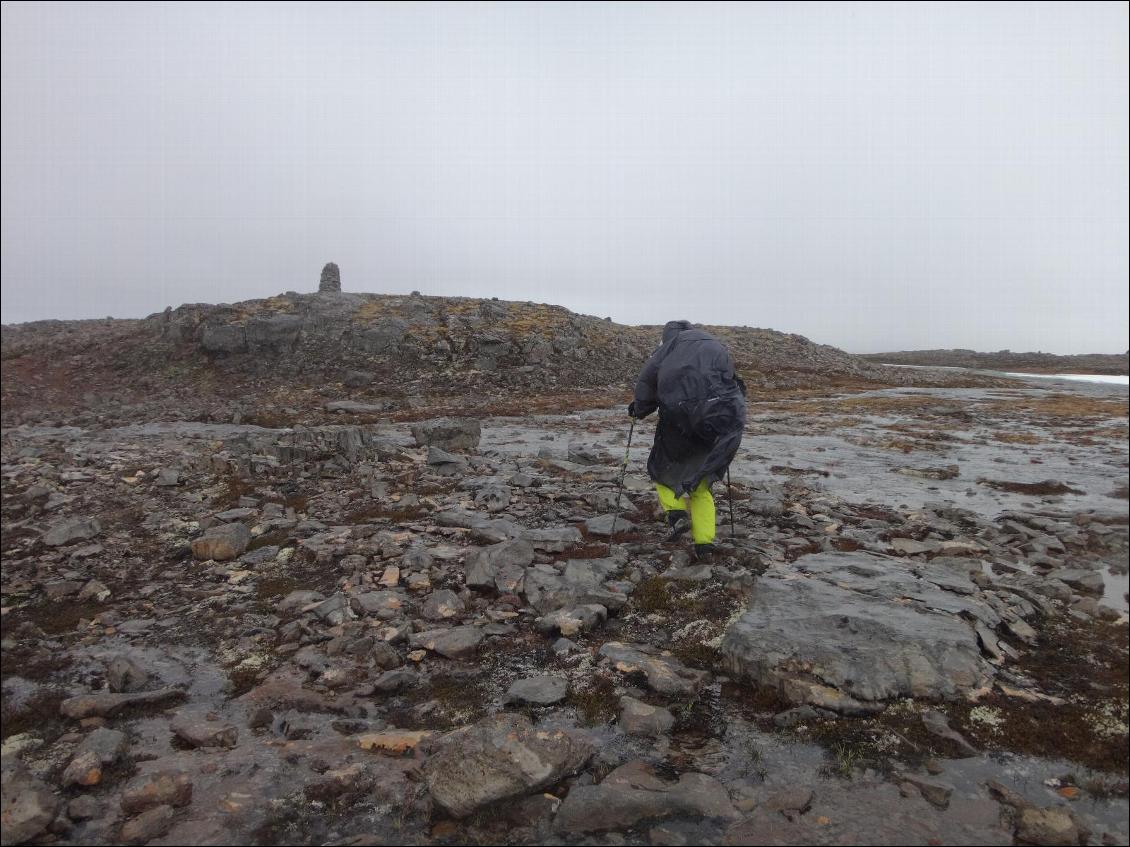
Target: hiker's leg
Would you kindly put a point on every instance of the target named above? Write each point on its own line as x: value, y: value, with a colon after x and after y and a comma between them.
x: 668, y: 500
x: 702, y: 514
x: 676, y: 509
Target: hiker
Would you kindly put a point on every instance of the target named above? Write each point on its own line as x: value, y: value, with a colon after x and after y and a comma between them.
x: 690, y: 379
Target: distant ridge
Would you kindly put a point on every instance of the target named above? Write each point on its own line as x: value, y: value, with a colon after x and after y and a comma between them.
x: 280, y: 360
x: 1006, y: 360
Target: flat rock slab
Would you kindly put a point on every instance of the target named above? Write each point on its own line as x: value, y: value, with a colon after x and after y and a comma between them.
x: 448, y: 433
x: 1079, y: 579
x: 602, y: 525
x: 633, y: 793
x: 665, y: 674
x: 500, y: 757
x: 870, y: 812
x: 104, y: 705
x: 540, y: 690
x: 198, y: 732
x: 583, y: 582
x: 863, y: 639
x: 71, y: 530
x: 495, y: 530
x: 459, y: 642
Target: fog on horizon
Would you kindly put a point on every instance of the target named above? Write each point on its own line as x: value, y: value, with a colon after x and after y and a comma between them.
x: 873, y: 176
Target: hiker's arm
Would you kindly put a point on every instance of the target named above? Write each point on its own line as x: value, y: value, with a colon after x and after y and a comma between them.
x: 647, y: 393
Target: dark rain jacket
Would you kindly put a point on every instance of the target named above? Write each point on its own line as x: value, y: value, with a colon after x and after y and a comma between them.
x: 690, y: 379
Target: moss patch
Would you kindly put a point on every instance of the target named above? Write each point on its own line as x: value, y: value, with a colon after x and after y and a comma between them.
x: 597, y: 704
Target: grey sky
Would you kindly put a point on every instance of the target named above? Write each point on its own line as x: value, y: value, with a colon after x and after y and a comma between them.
x: 872, y: 176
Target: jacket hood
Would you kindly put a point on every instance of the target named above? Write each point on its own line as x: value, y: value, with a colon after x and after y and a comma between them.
x: 673, y: 328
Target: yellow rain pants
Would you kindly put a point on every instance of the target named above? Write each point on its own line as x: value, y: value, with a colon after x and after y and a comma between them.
x: 701, y: 509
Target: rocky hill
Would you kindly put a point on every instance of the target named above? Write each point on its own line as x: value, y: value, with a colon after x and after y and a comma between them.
x: 296, y: 358
x: 1006, y: 360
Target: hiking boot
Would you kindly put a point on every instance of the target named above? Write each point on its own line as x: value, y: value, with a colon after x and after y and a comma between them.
x: 679, y: 521
x: 703, y: 552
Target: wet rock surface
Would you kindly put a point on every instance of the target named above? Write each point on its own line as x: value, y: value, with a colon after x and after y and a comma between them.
x: 357, y: 633
x: 867, y: 630
x: 501, y: 757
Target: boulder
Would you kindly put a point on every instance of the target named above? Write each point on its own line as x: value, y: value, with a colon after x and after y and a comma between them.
x: 459, y: 642
x: 507, y: 559
x: 1054, y: 826
x: 150, y: 824
x: 222, y: 543
x: 100, y: 749
x: 493, y: 498
x: 639, y: 718
x: 501, y: 757
x: 27, y: 806
x: 442, y: 605
x: 448, y: 433
x: 1087, y: 581
x: 540, y: 690
x: 224, y: 338
x: 383, y: 337
x: 158, y: 788
x: 444, y: 463
x: 273, y: 333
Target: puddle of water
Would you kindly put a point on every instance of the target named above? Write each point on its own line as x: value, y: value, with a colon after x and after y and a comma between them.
x: 1115, y: 586
x: 1106, y: 379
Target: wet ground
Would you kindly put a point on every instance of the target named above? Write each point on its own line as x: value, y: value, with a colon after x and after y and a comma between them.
x: 816, y: 473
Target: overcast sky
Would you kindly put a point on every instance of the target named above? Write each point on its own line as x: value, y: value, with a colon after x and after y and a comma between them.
x: 876, y: 177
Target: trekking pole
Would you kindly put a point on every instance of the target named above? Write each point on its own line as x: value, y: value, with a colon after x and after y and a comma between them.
x: 730, y: 497
x: 620, y: 488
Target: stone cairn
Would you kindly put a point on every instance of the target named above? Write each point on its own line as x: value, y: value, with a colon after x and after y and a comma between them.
x: 331, y: 278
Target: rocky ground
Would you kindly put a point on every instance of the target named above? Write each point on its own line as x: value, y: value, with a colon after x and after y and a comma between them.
x: 391, y: 632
